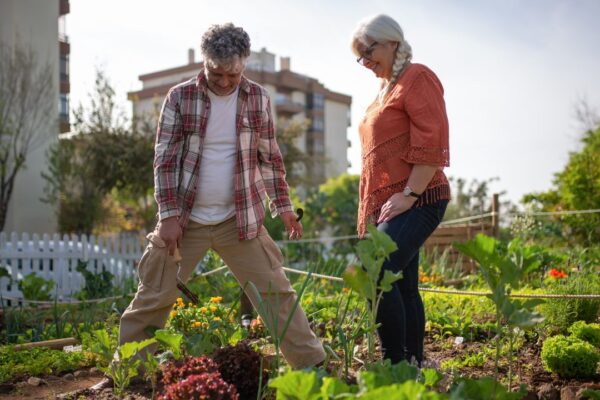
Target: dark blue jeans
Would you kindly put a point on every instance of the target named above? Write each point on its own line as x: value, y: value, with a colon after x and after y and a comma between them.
x: 401, y: 312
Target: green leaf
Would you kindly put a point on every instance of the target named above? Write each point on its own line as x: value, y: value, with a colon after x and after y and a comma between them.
x: 129, y: 349
x: 358, y: 280
x: 409, y: 390
x: 382, y: 241
x: 333, y: 387
x: 483, y: 389
x: 591, y: 394
x: 368, y: 381
x: 431, y: 377
x: 296, y: 385
x: 236, y: 336
x: 170, y: 340
x: 383, y: 373
x: 525, y: 319
x: 388, y: 278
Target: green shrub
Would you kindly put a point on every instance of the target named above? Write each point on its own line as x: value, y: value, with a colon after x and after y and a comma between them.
x: 560, y: 314
x: 35, y: 287
x: 570, y: 357
x: 588, y: 332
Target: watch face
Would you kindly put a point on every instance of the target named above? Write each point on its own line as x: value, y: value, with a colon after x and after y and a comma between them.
x: 406, y: 191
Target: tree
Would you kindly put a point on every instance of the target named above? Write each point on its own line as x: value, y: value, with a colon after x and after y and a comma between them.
x: 473, y: 198
x: 577, y: 187
x: 303, y: 169
x: 27, y: 107
x: 101, y: 177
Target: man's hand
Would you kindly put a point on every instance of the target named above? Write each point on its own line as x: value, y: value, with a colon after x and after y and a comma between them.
x: 292, y: 227
x: 396, y: 205
x: 170, y: 231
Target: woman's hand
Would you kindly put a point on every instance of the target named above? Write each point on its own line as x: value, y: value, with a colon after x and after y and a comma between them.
x: 396, y: 205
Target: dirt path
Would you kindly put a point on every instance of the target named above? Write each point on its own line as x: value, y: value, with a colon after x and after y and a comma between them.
x: 52, y: 387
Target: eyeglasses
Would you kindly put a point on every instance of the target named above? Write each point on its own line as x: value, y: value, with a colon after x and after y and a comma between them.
x: 366, y: 55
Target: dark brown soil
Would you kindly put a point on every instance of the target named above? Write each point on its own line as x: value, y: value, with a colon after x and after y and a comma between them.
x: 528, y: 371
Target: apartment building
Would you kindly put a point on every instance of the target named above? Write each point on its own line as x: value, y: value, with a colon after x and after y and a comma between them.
x: 41, y: 27
x: 293, y: 96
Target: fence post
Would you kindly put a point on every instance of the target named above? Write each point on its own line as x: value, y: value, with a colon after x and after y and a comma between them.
x: 495, y: 214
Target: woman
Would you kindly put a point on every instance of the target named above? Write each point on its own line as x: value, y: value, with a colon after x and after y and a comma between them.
x: 403, y: 189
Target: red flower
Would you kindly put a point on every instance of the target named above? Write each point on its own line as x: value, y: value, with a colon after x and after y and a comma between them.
x: 557, y: 274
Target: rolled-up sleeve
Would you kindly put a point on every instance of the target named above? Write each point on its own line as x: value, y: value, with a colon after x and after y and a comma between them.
x: 426, y: 110
x: 271, y: 164
x: 167, y: 156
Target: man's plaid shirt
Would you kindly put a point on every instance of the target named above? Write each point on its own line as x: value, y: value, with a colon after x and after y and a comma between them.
x: 178, y: 151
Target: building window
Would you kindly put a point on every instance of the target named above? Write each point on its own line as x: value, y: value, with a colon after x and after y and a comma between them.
x: 318, y: 124
x: 315, y: 101
x: 64, y: 107
x: 64, y: 68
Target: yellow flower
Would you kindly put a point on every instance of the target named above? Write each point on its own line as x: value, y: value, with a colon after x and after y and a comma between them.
x: 216, y: 299
x: 216, y: 319
x: 345, y: 290
x: 197, y: 324
x: 203, y: 310
x: 213, y: 308
x: 173, y: 314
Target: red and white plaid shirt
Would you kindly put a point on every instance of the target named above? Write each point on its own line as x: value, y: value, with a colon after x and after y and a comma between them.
x: 178, y: 151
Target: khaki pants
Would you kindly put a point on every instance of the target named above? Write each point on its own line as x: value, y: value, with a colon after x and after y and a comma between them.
x: 257, y: 260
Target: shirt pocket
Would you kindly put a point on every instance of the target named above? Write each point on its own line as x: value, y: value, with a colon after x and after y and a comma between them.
x: 152, y: 264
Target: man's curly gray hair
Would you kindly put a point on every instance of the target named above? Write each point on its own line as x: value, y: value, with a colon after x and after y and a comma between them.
x: 224, y: 45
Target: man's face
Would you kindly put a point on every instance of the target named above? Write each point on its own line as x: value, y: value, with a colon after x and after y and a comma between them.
x: 223, y: 80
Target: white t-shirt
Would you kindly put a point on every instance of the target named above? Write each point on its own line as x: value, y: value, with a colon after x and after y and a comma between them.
x: 214, y: 202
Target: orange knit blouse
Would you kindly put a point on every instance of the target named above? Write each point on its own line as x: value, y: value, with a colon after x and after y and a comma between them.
x: 409, y: 127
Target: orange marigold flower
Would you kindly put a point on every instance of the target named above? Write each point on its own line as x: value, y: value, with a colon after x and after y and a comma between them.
x: 217, y: 319
x: 173, y: 314
x: 203, y: 310
x: 213, y: 308
x: 346, y: 290
x: 216, y: 299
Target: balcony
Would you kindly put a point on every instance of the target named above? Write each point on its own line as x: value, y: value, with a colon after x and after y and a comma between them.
x: 285, y: 106
x: 64, y: 7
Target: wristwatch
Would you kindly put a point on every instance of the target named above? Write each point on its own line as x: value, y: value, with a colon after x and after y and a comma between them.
x: 408, y: 192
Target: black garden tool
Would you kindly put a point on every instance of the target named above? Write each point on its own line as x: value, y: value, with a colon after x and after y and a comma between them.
x: 180, y: 285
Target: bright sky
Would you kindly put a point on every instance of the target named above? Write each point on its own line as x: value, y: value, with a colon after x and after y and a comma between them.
x: 513, y: 70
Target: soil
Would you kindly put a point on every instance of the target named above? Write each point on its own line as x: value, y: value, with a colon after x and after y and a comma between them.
x: 528, y: 370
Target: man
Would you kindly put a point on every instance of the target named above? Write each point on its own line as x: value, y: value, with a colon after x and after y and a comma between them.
x: 215, y: 157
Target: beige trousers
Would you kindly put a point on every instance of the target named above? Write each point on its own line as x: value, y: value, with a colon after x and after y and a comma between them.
x: 256, y: 260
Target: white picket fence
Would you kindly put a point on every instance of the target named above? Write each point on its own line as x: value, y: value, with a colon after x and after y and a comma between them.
x: 56, y: 258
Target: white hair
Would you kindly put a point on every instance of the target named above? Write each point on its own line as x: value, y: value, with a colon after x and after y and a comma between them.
x: 383, y: 28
